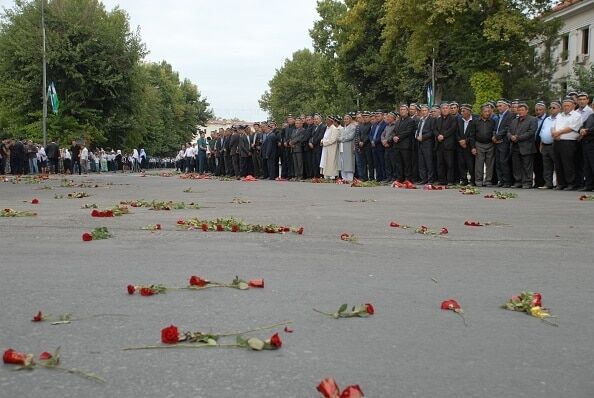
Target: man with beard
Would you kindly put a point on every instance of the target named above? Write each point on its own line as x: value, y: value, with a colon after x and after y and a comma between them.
x: 502, y: 145
x: 286, y: 156
x: 364, y: 156
x: 377, y: 149
x: 521, y: 134
x: 445, y: 136
x: 315, y: 146
x: 424, y: 138
x: 565, y: 134
x: 466, y: 126
x: 401, y: 138
x: 483, y: 148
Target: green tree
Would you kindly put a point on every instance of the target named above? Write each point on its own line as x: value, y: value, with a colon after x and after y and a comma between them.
x: 486, y: 86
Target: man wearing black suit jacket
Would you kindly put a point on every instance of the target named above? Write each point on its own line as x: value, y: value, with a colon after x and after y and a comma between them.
x: 466, y: 126
x: 234, y: 152
x: 307, y: 151
x: 424, y: 138
x: 363, y: 153
x: 315, y: 144
x: 445, y: 139
x: 245, y: 154
x: 502, y: 144
x: 270, y: 150
x: 402, y: 145
x: 521, y: 134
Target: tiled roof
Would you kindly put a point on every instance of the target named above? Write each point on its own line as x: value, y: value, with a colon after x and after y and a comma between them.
x: 564, y: 4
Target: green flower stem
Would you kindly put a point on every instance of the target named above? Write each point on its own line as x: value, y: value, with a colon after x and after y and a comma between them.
x: 334, y: 315
x: 186, y: 345
x: 77, y: 372
x: 283, y: 323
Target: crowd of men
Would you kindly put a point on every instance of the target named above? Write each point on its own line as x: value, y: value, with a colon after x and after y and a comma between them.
x: 504, y: 145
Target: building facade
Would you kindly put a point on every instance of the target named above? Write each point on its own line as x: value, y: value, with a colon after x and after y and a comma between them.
x: 575, y: 42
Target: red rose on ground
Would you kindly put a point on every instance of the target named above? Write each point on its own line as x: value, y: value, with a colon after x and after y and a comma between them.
x: 345, y: 236
x: 287, y: 330
x: 450, y: 305
x: 108, y: 213
x: 369, y: 308
x: 204, y: 227
x: 275, y: 341
x: 38, y: 317
x: 87, y: 237
x: 536, y: 300
x: 158, y: 226
x: 146, y: 291
x: 352, y: 392
x: 300, y: 231
x: 44, y: 356
x: 35, y: 201
x: 131, y: 289
x: 256, y: 283
x: 13, y: 357
x: 197, y: 281
x: 170, y: 335
x: 472, y: 223
x: 220, y: 228
x: 328, y: 388
x: 180, y: 222
x: 394, y: 224
x: 95, y: 213
x: 443, y: 231
x: 234, y: 228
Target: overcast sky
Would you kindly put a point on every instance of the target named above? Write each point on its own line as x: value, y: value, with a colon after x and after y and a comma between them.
x: 229, y: 48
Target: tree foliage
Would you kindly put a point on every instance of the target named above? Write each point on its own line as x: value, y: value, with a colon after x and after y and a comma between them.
x: 383, y: 49
x: 108, y: 95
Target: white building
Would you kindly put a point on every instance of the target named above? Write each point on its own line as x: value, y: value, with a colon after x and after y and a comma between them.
x: 575, y: 43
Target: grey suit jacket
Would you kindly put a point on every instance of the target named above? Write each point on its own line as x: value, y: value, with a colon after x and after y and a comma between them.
x: 525, y: 131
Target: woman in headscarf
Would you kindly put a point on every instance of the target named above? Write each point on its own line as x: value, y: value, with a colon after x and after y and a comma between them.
x: 118, y: 160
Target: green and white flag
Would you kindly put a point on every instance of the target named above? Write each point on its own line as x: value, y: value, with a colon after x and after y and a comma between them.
x: 53, y: 97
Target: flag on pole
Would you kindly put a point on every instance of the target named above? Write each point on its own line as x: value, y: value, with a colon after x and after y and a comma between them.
x: 430, y: 98
x: 53, y: 97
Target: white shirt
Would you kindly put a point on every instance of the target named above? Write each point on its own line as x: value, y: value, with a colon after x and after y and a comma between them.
x: 573, y: 120
x: 84, y: 155
x: 189, y: 152
x: 584, y: 113
x: 67, y: 154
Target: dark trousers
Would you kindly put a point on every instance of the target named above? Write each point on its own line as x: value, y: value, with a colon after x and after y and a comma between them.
x: 228, y: 165
x: 414, y: 165
x: 465, y: 164
x: 523, y: 167
x: 538, y: 167
x: 364, y: 159
x: 264, y: 163
x: 286, y: 163
x: 445, y: 165
x: 245, y: 166
x: 307, y: 164
x: 548, y: 164
x: 392, y: 162
x: 220, y: 167
x: 579, y: 165
x: 588, y: 155
x: 403, y: 164
x: 378, y: 162
x: 2, y: 165
x: 388, y: 165
x: 317, y: 158
x: 235, y: 162
x: 426, y: 161
x: 502, y: 162
x: 564, y: 151
x: 272, y: 165
x: 16, y: 165
x: 76, y: 165
x: 53, y: 165
x: 257, y: 163
x: 201, y: 161
x: 297, y: 164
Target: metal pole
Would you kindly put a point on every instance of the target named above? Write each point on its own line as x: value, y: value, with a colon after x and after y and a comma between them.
x: 44, y: 76
x: 433, y: 76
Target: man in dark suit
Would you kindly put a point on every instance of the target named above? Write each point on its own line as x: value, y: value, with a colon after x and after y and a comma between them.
x: 307, y: 151
x: 255, y: 140
x: 234, y: 150
x: 244, y: 150
x: 388, y: 144
x: 364, y: 157
x: 227, y: 153
x: 445, y: 139
x: 377, y: 149
x: 402, y: 145
x: 286, y: 155
x: 413, y: 111
x: 424, y: 138
x: 465, y: 132
x: 315, y: 146
x: 502, y: 144
x: 521, y: 135
x: 295, y: 143
x: 270, y: 142
x: 52, y: 151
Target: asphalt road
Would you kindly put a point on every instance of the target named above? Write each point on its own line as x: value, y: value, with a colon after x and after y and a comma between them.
x: 540, y: 241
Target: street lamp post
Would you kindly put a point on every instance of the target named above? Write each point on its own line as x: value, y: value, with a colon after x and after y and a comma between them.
x: 44, y: 89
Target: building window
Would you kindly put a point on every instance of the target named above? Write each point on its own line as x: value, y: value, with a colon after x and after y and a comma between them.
x: 585, y: 41
x: 564, y: 47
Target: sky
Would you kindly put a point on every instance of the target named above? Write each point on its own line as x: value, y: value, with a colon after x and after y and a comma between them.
x: 229, y: 48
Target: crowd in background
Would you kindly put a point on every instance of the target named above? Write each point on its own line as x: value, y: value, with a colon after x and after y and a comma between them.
x: 504, y: 145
